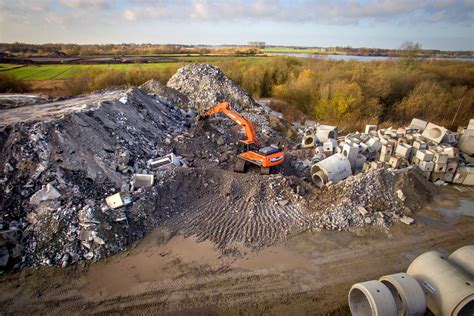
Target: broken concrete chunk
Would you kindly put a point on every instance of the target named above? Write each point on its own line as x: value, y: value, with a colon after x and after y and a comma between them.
x: 401, y: 195
x: 118, y: 200
x: 283, y: 202
x: 165, y: 162
x: 407, y: 220
x: 362, y: 210
x: 466, y: 142
x: 143, y: 180
x: 47, y: 193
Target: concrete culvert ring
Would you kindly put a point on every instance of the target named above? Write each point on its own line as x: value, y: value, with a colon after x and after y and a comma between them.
x: 319, y: 179
x: 406, y: 291
x: 371, y: 298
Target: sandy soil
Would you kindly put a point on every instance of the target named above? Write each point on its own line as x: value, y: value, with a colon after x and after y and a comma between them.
x: 308, y: 274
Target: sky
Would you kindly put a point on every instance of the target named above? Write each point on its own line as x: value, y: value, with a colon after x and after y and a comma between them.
x: 435, y: 24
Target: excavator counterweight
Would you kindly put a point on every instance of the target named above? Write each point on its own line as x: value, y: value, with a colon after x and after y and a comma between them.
x: 249, y: 149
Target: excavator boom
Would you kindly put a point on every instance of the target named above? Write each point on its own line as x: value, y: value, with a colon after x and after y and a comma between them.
x: 224, y: 107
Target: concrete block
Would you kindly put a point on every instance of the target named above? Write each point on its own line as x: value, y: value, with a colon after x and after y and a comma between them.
x: 370, y: 128
x: 452, y: 152
x: 466, y: 142
x: 366, y: 167
x: 326, y: 132
x: 440, y: 167
x: 437, y: 176
x: 170, y: 159
x: 426, y: 174
x: 424, y: 155
x: 118, y: 200
x: 330, y: 146
x: 471, y: 124
x: 426, y: 166
x: 143, y: 180
x: 319, y: 150
x: 350, y: 152
x: 452, y: 166
x: 420, y: 145
x: 403, y: 150
x: 434, y: 133
x: 440, y: 157
x: 395, y: 162
x: 448, y: 177
x: 308, y: 141
x: 376, y: 165
x: 418, y: 124
x: 464, y: 175
x: 374, y: 144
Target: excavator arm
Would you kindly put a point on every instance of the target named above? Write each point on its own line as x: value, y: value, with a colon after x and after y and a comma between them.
x: 224, y: 107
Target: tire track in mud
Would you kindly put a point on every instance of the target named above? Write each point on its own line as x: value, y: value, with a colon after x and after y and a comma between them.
x: 255, y: 224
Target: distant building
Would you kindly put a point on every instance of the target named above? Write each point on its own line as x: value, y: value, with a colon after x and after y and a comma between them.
x: 257, y: 44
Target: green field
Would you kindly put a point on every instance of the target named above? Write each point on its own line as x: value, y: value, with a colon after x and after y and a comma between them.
x: 63, y: 72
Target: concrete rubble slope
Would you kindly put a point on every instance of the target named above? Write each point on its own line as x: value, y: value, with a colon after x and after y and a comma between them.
x: 206, y: 85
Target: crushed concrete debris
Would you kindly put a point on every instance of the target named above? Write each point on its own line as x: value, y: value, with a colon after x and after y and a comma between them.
x: 205, y: 85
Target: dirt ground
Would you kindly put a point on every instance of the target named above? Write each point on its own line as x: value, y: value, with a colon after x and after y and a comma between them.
x: 309, y: 274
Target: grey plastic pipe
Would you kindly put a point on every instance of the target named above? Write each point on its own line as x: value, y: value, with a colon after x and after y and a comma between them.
x: 371, y: 298
x: 448, y: 289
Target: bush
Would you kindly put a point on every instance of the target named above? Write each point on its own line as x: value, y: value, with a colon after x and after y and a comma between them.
x: 10, y: 84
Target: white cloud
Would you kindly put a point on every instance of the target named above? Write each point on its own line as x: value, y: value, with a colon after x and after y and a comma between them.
x: 86, y: 4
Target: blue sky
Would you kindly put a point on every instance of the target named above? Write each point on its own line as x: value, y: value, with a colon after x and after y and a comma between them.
x: 437, y: 24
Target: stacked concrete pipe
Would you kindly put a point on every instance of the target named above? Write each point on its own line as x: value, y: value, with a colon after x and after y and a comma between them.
x: 448, y: 288
x: 334, y: 168
x: 395, y: 294
x: 444, y: 285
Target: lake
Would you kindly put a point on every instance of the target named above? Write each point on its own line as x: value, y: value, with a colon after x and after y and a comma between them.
x: 359, y: 58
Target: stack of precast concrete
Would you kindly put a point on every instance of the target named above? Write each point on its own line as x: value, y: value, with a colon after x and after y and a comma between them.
x: 439, y: 154
x: 443, y: 285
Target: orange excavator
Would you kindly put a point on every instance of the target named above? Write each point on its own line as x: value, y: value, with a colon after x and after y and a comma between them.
x: 249, y: 149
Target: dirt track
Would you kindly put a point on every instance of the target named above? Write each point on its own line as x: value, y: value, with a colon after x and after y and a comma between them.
x: 309, y: 274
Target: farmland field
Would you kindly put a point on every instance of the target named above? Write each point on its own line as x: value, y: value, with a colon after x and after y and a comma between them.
x: 63, y: 72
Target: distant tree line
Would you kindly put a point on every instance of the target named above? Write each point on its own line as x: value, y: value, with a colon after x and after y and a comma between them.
x: 56, y: 50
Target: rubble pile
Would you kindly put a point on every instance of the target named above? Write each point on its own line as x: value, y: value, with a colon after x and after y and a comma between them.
x: 58, y: 171
x: 206, y: 85
x: 439, y: 154
x: 165, y: 94
x: 8, y: 101
x: 365, y: 199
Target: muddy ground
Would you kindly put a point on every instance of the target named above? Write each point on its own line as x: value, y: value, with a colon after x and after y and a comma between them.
x: 308, y: 274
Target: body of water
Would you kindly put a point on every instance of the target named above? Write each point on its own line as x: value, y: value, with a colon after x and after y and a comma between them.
x: 353, y: 57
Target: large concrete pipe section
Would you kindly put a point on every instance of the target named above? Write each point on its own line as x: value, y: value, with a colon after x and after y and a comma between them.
x: 371, y: 298
x: 464, y: 258
x: 334, y: 168
x: 407, y: 293
x: 448, y: 289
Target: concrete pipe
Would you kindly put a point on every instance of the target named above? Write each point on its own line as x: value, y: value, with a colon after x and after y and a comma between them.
x: 464, y: 258
x: 334, y: 168
x: 407, y: 293
x: 448, y: 289
x: 371, y: 298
